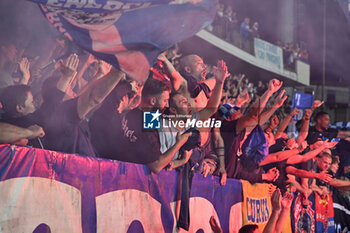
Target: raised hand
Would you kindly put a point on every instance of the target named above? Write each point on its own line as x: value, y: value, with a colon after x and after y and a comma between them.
x: 317, y: 104
x: 294, y: 112
x: 240, y: 77
x: 69, y: 67
x: 242, y: 99
x: 280, y: 99
x: 24, y: 66
x: 276, y: 200
x: 275, y: 85
x: 220, y: 71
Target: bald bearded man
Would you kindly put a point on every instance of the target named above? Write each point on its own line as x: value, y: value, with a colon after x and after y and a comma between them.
x: 192, y: 84
x: 191, y: 81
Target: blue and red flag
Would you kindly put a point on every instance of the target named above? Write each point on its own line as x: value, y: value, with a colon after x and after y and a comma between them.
x: 129, y: 34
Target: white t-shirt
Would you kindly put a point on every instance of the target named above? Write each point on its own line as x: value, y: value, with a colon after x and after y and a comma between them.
x: 167, y: 136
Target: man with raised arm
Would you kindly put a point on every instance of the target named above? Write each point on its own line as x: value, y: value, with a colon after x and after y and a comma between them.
x: 18, y: 101
x: 235, y: 132
x: 181, y: 108
x: 191, y: 80
x: 64, y: 131
x: 140, y: 145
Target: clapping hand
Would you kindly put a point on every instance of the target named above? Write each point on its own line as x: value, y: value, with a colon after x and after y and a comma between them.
x: 220, y: 71
x: 24, y: 66
x: 69, y: 67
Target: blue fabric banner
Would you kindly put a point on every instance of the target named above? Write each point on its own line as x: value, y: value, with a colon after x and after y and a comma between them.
x: 41, y: 190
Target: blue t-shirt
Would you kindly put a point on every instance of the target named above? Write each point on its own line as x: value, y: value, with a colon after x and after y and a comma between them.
x: 245, y: 30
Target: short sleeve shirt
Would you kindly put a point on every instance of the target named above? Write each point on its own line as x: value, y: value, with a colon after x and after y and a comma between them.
x: 141, y: 146
x: 106, y: 132
x: 64, y: 132
x: 314, y: 134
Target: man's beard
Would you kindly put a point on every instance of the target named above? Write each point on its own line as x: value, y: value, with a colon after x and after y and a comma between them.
x: 203, y: 75
x: 155, y: 108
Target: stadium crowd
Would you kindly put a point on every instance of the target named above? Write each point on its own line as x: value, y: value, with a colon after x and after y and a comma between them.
x: 240, y: 31
x: 85, y: 106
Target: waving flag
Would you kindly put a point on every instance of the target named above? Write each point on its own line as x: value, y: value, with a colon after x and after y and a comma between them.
x: 129, y: 34
x: 302, y: 100
x: 340, y: 125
